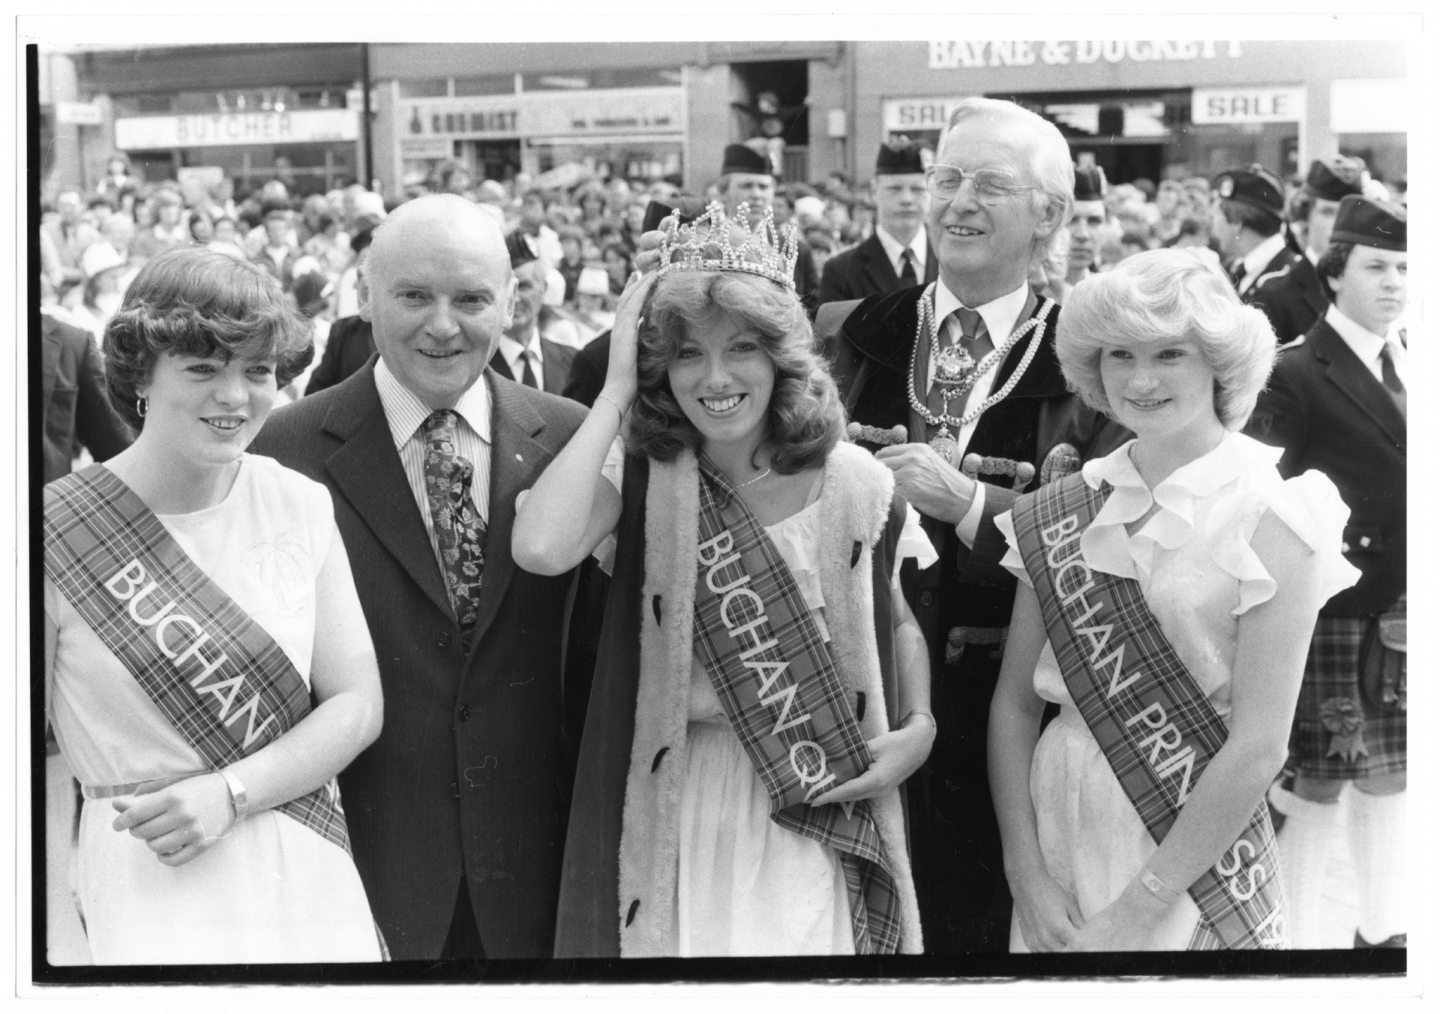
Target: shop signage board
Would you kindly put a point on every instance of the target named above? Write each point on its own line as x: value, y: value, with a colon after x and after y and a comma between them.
x: 627, y: 111
x: 220, y: 129
x: 1285, y: 104
x: 81, y: 114
x: 974, y: 54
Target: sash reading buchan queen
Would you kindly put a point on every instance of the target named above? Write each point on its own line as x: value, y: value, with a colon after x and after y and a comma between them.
x: 781, y: 692
x: 214, y: 673
x: 1157, y: 729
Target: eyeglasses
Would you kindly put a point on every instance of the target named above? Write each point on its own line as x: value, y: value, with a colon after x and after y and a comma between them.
x: 991, y: 185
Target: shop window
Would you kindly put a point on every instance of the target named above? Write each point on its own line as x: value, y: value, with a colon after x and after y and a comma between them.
x: 621, y: 77
x: 424, y: 88
x: 485, y: 84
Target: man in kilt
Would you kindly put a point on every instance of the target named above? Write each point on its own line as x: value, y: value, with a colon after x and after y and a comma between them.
x: 1336, y: 403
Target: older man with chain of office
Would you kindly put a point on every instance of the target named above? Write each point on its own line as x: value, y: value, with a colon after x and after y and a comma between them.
x: 956, y: 386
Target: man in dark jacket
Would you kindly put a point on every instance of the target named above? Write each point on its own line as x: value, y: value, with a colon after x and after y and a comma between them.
x: 966, y: 435
x: 1295, y: 298
x: 1337, y: 403
x: 898, y: 255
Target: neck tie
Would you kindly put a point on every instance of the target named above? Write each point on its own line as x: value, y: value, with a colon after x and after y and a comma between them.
x: 1388, y: 374
x: 907, y: 271
x: 527, y: 377
x: 972, y: 338
x: 459, y: 531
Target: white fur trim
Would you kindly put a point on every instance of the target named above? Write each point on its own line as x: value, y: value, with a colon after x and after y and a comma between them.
x: 855, y: 501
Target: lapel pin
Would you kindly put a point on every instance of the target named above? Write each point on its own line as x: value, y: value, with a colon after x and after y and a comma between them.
x: 520, y: 458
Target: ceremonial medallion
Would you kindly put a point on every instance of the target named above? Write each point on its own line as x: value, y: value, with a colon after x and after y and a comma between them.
x: 946, y: 446
x: 953, y: 367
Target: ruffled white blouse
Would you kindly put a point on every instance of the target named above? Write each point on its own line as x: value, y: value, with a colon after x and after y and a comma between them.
x: 1198, y: 570
x: 1194, y: 558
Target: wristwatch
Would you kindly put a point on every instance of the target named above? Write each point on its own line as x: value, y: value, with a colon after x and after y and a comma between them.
x: 238, y: 798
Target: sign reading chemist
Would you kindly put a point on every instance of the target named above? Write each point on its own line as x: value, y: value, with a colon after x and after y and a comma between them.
x: 969, y: 54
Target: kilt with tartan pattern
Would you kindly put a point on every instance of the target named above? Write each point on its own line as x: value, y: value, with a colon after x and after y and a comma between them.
x: 1339, y: 734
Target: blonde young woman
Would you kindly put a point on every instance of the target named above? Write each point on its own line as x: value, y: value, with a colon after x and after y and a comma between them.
x: 1166, y: 596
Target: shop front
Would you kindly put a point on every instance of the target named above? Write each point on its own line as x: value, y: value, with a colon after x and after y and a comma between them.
x: 638, y: 133
x: 1153, y: 109
x: 310, y: 149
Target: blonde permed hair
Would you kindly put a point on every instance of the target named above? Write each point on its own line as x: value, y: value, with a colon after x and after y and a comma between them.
x: 1167, y: 296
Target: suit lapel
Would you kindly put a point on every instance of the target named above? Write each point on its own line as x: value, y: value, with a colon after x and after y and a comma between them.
x: 553, y: 359
x: 498, y: 364
x: 515, y: 459
x: 879, y: 272
x: 1345, y: 370
x: 368, y: 473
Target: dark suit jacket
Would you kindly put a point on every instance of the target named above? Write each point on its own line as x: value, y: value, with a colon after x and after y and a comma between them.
x: 1278, y: 263
x: 472, y: 771
x: 73, y: 402
x: 555, y: 361
x: 588, y: 370
x: 955, y: 840
x: 865, y: 270
x: 1329, y: 412
x: 349, y: 347
x: 1293, y: 300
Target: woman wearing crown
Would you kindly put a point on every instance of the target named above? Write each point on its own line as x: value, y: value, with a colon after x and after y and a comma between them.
x: 762, y: 690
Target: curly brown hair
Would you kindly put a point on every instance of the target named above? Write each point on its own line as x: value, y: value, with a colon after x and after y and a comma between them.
x: 198, y: 302
x: 804, y: 419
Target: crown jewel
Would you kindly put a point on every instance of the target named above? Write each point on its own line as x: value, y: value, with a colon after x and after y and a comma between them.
x: 710, y: 244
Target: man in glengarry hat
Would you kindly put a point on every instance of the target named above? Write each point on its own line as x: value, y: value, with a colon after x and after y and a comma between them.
x: 1337, y: 403
x: 1248, y: 208
x: 1295, y: 298
x: 746, y: 177
x: 898, y: 255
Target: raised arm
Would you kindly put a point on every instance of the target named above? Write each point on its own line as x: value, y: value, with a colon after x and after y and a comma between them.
x: 571, y: 508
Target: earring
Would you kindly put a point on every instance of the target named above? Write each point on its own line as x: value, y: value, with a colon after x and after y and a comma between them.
x: 141, y: 404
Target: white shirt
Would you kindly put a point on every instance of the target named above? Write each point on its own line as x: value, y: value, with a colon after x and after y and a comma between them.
x: 1001, y: 317
x: 404, y: 413
x: 1367, y: 345
x: 1256, y: 260
x: 894, y: 250
x: 514, y: 353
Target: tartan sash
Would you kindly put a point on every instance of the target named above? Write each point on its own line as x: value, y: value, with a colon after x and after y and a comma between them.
x: 784, y: 698
x: 1155, y: 726
x: 214, y: 673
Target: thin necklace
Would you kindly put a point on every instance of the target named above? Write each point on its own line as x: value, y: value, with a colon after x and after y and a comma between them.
x: 751, y: 482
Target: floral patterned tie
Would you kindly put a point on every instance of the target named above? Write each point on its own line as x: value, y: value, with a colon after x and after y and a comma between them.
x: 459, y: 530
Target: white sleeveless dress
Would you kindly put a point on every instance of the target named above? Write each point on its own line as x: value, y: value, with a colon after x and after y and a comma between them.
x: 272, y: 890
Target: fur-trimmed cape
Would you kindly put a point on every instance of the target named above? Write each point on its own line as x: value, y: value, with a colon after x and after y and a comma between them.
x: 621, y: 857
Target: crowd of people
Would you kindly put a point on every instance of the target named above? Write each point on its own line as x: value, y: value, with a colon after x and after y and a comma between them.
x: 999, y: 560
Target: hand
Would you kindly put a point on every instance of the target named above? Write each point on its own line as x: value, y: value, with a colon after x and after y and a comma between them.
x: 894, y: 757
x: 180, y: 821
x: 1049, y: 918
x: 620, y: 378
x: 931, y: 485
x: 1126, y: 924
x: 647, y: 251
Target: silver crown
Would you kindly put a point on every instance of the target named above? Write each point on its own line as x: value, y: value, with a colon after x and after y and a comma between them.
x: 708, y: 244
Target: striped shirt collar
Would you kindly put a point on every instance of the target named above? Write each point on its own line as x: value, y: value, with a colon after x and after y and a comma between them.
x: 404, y: 412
